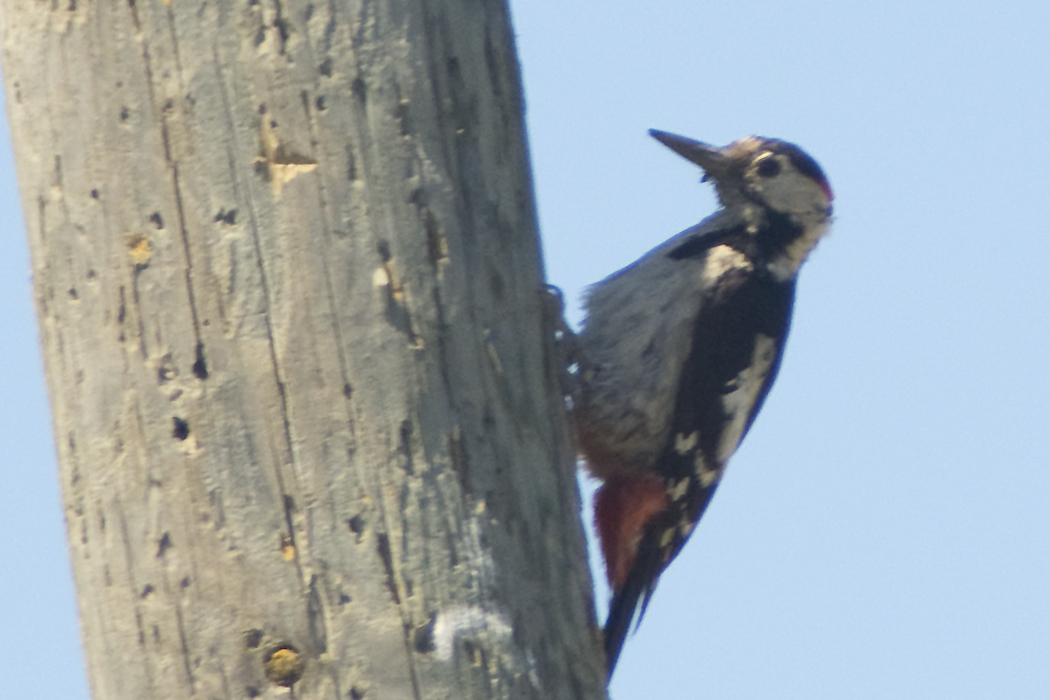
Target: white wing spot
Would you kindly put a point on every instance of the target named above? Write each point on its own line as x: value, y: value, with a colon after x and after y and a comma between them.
x: 720, y: 260
x: 683, y: 443
x: 710, y: 477
x: 707, y: 474
x: 744, y: 390
x: 678, y: 490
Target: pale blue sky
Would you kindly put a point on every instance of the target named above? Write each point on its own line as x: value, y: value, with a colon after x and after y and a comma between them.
x: 884, y: 531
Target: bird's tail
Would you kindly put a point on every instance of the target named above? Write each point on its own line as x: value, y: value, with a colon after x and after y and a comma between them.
x: 661, y: 542
x: 630, y: 601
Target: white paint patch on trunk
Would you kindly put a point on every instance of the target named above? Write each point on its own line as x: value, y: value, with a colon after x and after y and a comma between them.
x: 469, y: 621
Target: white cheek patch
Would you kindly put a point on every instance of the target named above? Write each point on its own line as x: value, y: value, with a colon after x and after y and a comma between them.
x: 793, y: 193
x: 806, y: 203
x: 739, y: 401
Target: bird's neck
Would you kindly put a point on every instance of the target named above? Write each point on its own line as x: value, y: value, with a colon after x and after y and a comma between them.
x: 780, y: 242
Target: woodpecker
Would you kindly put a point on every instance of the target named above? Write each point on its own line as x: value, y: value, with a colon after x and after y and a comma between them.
x: 678, y: 352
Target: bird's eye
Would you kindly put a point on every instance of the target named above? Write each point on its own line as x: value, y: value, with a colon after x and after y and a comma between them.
x: 768, y: 167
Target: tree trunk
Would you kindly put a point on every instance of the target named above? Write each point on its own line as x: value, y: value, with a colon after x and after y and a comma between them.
x: 288, y: 286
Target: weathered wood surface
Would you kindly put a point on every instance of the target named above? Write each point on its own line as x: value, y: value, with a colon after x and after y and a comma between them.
x: 287, y: 276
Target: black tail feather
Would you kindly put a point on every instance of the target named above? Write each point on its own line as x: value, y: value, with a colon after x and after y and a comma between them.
x: 622, y: 611
x: 629, y: 603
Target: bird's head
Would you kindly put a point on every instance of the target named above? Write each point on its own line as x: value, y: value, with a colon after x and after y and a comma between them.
x: 770, y: 172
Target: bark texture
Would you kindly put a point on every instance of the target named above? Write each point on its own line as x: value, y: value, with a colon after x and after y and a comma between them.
x: 288, y: 287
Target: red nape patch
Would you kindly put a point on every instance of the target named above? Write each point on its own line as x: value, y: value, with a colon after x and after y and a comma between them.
x: 827, y: 189
x: 622, y: 507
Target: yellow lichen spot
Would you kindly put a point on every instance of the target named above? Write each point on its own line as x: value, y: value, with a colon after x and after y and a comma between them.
x: 386, y: 276
x: 140, y: 250
x: 284, y: 666
x: 287, y: 548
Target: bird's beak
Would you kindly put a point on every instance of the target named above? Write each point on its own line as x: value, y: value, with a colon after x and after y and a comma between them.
x: 714, y: 162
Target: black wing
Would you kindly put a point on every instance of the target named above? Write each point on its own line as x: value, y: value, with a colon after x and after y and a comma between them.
x: 742, y: 307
